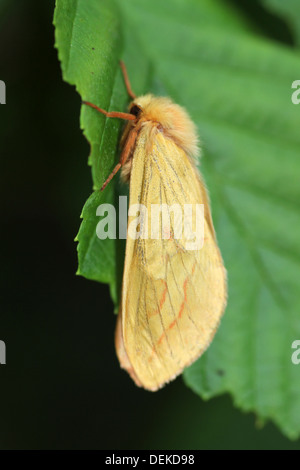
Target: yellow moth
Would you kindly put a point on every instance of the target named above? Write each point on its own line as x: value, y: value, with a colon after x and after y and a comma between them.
x: 172, y: 297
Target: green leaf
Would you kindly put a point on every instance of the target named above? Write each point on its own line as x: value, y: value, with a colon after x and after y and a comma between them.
x: 237, y: 88
x: 89, y: 42
x: 288, y: 9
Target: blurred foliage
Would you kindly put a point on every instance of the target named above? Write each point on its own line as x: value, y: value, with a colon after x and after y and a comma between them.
x: 237, y: 87
x: 288, y: 9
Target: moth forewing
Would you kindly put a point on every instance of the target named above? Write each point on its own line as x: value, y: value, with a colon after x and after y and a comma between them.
x: 172, y: 297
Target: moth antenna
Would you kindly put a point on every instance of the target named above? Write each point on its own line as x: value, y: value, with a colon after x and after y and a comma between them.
x: 126, y: 80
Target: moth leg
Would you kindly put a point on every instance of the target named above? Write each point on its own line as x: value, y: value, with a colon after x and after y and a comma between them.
x: 111, y: 114
x: 129, y: 144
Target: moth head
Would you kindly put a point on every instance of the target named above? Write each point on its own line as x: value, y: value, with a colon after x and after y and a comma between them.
x: 135, y: 109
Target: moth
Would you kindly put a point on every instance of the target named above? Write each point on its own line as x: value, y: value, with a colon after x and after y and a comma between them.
x: 172, y: 297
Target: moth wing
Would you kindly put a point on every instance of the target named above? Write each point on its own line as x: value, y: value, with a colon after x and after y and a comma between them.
x: 172, y: 297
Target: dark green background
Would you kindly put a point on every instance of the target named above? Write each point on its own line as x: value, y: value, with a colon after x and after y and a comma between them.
x: 62, y: 386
